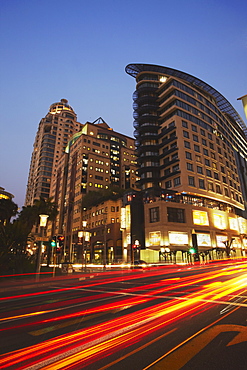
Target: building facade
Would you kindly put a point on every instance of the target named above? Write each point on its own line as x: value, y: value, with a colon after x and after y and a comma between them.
x: 5, y: 194
x: 95, y: 158
x: 52, y: 137
x: 192, y: 164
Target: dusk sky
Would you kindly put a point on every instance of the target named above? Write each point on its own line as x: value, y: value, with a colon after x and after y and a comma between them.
x: 79, y: 49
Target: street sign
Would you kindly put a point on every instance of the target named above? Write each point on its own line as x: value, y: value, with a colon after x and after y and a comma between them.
x: 42, y: 239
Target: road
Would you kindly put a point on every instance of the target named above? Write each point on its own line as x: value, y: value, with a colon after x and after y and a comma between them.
x: 171, y: 317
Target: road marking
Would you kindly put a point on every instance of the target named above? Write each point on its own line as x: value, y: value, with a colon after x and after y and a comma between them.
x: 179, y: 358
x: 156, y: 365
x: 49, y: 329
x: 230, y: 306
x: 137, y: 349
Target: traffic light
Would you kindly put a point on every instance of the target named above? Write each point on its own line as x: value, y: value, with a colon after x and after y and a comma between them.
x: 192, y: 250
x: 60, y: 240
x: 53, y: 241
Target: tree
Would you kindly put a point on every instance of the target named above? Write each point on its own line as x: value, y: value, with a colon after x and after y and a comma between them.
x: 8, y: 209
x: 30, y: 214
x: 14, y: 235
x: 92, y: 198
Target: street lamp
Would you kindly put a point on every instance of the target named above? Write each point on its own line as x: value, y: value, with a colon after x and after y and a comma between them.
x: 42, y: 224
x: 104, y: 252
x: 81, y: 237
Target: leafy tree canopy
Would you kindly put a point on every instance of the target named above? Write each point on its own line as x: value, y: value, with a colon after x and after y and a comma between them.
x: 93, y: 198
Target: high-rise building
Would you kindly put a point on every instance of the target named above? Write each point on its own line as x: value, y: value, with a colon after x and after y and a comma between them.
x: 192, y: 164
x: 53, y: 134
x: 95, y: 158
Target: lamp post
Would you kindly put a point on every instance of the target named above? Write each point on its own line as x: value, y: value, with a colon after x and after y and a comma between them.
x: 81, y: 237
x: 104, y: 255
x: 42, y: 224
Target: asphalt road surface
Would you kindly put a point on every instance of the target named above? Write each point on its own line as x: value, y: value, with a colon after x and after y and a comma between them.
x: 159, y: 318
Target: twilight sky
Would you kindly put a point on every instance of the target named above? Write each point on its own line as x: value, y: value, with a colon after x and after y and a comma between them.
x: 78, y: 50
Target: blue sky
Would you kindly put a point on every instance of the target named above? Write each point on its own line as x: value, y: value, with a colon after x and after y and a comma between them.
x: 79, y: 49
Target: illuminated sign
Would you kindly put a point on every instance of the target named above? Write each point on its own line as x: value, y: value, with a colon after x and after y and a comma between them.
x: 220, y: 239
x: 203, y: 240
x: 154, y: 238
x: 87, y: 236
x: 242, y: 223
x: 219, y: 221
x: 178, y: 238
x: 200, y: 217
x: 233, y: 223
x: 128, y: 220
x: 123, y: 218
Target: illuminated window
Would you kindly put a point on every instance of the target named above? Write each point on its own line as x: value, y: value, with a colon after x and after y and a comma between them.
x: 200, y: 217
x: 219, y: 221
x: 154, y: 238
x: 178, y: 238
x: 210, y: 186
x: 233, y: 223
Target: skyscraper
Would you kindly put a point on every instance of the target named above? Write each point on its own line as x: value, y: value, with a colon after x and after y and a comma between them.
x: 54, y: 131
x: 192, y: 150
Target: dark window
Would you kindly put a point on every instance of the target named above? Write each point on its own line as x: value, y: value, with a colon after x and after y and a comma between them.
x: 218, y: 189
x: 177, y: 181
x: 188, y: 155
x: 208, y: 173
x: 154, y: 214
x: 203, y: 132
x: 187, y: 144
x: 201, y: 184
x: 199, y: 169
x: 196, y: 148
x: 191, y: 180
x: 189, y: 166
x: 176, y: 215
x: 226, y: 192
x: 186, y: 134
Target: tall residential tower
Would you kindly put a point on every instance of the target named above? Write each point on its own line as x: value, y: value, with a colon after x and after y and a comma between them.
x: 52, y: 137
x: 192, y: 159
